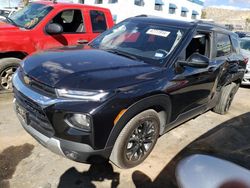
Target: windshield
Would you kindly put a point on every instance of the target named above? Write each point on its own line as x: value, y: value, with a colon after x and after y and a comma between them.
x: 30, y: 16
x: 245, y: 44
x: 147, y: 42
x: 4, y: 13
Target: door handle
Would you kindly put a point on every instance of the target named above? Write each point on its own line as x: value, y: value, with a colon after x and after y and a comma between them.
x: 82, y: 41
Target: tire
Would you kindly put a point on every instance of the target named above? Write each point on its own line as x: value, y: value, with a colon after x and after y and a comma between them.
x: 7, y: 68
x: 143, y: 132
x: 226, y: 98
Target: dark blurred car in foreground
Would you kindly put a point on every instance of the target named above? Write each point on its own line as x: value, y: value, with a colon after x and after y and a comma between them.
x: 204, y: 171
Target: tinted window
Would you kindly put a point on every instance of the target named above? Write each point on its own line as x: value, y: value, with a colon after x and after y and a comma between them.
x: 98, y: 21
x: 223, y: 46
x: 235, y: 42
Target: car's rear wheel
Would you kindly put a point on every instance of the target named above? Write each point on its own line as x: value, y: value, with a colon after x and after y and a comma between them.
x: 226, y: 98
x: 7, y: 68
x: 136, y: 140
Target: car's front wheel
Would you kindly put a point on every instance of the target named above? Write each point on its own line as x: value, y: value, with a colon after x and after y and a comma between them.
x: 136, y: 140
x: 7, y: 68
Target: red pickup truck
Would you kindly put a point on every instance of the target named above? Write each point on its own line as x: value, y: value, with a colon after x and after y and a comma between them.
x: 43, y: 25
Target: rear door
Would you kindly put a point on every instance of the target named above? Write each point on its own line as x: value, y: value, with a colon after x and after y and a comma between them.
x: 98, y: 22
x: 226, y: 57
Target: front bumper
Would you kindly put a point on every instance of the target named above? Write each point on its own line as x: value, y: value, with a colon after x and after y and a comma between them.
x: 45, y: 134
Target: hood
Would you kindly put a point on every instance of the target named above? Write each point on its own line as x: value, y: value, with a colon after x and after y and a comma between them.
x: 87, y: 69
x: 6, y: 27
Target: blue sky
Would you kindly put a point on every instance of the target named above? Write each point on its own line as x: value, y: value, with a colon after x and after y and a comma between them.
x: 244, y: 4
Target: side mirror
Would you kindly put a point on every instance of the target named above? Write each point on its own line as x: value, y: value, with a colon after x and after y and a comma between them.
x: 196, y: 60
x: 54, y: 28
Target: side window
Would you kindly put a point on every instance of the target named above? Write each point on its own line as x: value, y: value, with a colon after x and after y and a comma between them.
x: 199, y: 44
x: 236, y: 45
x: 71, y: 21
x: 223, y: 46
x: 98, y: 21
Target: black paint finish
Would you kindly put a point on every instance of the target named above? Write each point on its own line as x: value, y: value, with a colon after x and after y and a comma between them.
x: 135, y: 85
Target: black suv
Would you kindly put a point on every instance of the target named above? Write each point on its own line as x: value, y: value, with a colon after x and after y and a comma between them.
x: 133, y: 83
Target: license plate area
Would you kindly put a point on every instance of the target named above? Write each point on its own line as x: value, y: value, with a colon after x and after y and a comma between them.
x: 22, y: 113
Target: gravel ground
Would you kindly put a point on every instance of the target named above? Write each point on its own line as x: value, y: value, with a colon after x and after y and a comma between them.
x: 25, y: 163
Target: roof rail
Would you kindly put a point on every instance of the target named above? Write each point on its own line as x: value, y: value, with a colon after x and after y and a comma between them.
x: 142, y: 15
x: 210, y: 23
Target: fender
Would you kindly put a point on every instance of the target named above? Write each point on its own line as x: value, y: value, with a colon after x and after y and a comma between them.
x: 159, y: 102
x: 16, y: 54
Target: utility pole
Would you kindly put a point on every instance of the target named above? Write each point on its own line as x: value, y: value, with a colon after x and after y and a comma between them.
x: 9, y: 3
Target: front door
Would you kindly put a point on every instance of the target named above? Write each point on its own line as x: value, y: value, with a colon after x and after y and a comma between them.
x: 74, y: 30
x: 194, y: 85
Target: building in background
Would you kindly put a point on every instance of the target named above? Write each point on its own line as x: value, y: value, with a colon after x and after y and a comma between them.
x: 122, y: 9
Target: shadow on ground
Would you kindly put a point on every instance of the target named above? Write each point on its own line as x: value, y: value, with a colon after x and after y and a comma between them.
x: 229, y: 140
x: 97, y: 172
x: 9, y: 159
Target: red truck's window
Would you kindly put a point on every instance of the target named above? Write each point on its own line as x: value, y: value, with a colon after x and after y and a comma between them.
x: 71, y: 21
x: 98, y: 21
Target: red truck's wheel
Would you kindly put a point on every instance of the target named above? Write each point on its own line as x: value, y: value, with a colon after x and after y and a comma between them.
x: 7, y: 68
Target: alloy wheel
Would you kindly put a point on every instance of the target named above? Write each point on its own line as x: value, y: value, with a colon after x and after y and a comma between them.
x: 6, y: 78
x: 141, y: 140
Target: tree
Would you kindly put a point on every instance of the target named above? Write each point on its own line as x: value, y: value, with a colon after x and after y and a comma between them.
x: 203, y: 14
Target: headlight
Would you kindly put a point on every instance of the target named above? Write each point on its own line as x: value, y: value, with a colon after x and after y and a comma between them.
x: 81, y: 121
x: 84, y: 95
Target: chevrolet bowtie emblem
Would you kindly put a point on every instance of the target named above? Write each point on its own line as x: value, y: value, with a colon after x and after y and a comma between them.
x: 26, y: 80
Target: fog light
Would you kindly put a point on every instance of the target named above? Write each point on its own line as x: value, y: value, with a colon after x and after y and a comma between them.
x: 71, y: 155
x: 81, y: 121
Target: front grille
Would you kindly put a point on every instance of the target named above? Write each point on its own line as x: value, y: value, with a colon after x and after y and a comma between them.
x: 36, y: 116
x: 38, y: 86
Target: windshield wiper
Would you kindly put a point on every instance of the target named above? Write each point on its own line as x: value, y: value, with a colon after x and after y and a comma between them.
x: 11, y: 21
x: 121, y: 53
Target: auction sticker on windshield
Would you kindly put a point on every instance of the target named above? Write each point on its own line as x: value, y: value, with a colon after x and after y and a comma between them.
x: 158, y: 32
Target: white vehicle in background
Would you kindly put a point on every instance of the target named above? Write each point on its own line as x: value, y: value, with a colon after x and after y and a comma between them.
x: 245, y: 50
x: 6, y: 12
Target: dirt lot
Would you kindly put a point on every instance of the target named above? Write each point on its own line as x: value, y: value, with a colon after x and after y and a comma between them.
x: 25, y: 163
